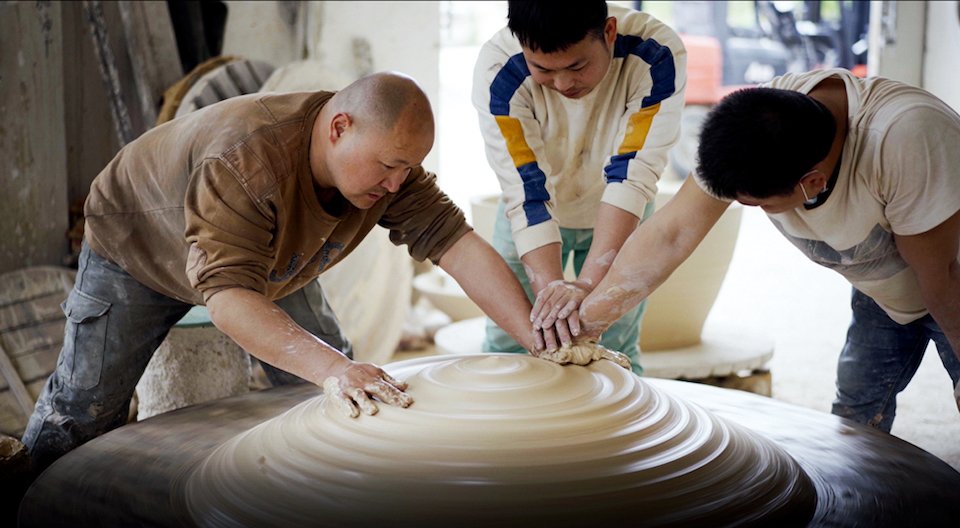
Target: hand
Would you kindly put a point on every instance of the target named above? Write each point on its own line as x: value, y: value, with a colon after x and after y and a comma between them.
x: 561, y: 334
x: 353, y: 387
x: 559, y: 300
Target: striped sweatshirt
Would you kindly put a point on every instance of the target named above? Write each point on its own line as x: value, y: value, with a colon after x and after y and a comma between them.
x: 557, y: 158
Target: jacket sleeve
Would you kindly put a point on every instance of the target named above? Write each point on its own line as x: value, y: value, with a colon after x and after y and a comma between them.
x: 230, y: 238
x: 656, y: 63
x: 423, y: 218
x: 514, y: 146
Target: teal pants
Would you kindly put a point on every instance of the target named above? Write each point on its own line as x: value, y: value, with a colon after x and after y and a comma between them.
x: 622, y: 336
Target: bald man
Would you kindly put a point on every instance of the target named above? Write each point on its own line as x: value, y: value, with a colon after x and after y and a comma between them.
x: 239, y: 207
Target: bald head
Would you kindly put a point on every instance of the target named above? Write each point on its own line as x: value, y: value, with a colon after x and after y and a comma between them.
x: 385, y: 101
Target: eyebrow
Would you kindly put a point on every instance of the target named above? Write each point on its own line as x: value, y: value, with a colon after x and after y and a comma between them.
x: 567, y: 67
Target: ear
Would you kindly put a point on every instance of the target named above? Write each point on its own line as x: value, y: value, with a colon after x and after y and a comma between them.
x: 610, y: 31
x: 815, y: 180
x: 339, y: 125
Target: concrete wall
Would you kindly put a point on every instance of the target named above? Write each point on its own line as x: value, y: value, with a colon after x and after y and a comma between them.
x: 349, y: 38
x: 941, y: 61
x: 32, y: 164
x: 896, y: 40
x: 55, y: 130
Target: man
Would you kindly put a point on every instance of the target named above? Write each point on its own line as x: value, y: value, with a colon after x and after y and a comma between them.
x: 861, y: 175
x: 578, y: 110
x: 240, y: 206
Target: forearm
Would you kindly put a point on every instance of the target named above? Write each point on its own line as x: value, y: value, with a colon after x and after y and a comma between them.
x: 645, y: 261
x: 264, y: 330
x: 941, y: 298
x: 488, y: 281
x: 543, y: 266
x: 652, y: 252
x: 612, y: 228
x: 933, y: 257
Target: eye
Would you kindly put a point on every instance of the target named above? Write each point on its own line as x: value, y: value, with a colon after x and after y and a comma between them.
x: 388, y: 167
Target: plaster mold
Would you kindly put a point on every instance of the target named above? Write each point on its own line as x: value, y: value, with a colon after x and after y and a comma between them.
x: 501, y: 438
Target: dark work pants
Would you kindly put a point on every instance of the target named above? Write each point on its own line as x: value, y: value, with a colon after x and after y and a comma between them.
x: 880, y: 358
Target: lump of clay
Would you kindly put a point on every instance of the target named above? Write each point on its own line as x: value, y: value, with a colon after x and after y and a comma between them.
x: 584, y: 353
x: 505, y: 439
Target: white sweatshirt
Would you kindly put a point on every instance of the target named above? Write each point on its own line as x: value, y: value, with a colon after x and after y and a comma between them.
x: 558, y: 158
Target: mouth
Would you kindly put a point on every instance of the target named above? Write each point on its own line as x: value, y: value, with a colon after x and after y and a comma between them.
x: 572, y: 94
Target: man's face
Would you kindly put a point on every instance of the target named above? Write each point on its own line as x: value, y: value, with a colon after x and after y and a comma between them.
x: 577, y: 70
x: 367, y: 164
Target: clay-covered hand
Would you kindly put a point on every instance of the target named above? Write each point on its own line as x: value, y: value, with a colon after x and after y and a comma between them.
x: 354, y: 389
x: 559, y: 300
x: 583, y: 353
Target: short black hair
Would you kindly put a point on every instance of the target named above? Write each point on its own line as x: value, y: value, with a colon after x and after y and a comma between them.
x: 761, y: 141
x: 551, y: 26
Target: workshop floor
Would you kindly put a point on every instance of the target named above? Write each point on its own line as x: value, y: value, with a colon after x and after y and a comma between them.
x: 773, y: 289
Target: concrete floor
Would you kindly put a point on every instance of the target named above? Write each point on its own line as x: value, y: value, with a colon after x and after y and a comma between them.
x: 771, y: 288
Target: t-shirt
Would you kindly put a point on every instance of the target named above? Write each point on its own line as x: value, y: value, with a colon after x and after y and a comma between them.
x: 558, y: 158
x: 224, y: 197
x: 899, y: 174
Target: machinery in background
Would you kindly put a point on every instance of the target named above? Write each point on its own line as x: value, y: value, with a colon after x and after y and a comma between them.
x: 735, y: 44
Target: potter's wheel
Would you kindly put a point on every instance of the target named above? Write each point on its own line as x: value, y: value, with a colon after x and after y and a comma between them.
x: 192, y: 465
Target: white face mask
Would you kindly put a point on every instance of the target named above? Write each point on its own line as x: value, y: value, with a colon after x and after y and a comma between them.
x: 806, y: 199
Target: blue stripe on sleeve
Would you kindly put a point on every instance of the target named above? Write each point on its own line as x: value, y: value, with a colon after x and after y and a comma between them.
x: 660, y: 59
x: 502, y: 89
x: 506, y: 83
x: 616, y: 171
x: 535, y: 193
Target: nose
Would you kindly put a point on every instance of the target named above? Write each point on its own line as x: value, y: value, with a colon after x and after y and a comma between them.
x: 563, y: 81
x: 392, y: 183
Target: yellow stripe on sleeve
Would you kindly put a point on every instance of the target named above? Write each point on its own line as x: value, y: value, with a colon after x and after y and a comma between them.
x: 516, y: 144
x: 638, y: 127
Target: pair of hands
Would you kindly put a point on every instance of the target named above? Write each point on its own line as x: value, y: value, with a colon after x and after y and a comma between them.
x: 556, y: 325
x: 555, y: 316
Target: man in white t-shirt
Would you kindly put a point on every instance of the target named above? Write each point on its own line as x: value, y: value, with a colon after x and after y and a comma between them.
x: 578, y: 106
x: 863, y: 176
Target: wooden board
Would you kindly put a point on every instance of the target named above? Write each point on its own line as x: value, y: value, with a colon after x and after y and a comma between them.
x: 31, y: 335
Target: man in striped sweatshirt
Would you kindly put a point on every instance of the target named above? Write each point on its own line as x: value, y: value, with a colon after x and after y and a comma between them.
x: 578, y: 105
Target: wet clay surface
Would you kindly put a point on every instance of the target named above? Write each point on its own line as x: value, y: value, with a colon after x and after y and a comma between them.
x: 135, y: 475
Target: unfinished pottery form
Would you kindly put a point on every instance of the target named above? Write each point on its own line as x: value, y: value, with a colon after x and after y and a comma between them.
x: 506, y: 439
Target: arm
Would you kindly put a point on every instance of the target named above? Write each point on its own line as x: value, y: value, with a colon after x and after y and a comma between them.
x: 561, y: 299
x: 650, y: 255
x: 933, y: 257
x: 261, y: 328
x: 488, y: 281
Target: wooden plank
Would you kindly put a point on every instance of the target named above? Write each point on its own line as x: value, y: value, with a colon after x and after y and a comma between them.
x: 152, y: 47
x: 27, y: 340
x: 34, y: 282
x: 35, y: 366
x: 27, y: 313
x: 12, y: 420
x: 17, y: 388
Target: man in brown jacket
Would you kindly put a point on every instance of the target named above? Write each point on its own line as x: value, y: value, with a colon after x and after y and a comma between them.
x: 240, y: 206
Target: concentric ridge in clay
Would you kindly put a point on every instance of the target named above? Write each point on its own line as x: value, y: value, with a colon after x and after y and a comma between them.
x: 505, y: 439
